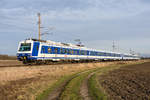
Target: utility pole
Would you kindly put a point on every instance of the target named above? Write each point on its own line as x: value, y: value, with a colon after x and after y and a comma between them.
x: 113, y: 46
x: 39, y: 23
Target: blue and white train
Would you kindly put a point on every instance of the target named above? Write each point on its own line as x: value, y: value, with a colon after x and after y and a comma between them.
x: 33, y: 50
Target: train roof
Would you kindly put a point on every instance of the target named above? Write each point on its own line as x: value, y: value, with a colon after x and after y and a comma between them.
x: 70, y: 45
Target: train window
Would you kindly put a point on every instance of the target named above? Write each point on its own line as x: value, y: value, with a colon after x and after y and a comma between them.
x: 82, y: 52
x: 72, y: 52
x: 99, y: 54
x: 111, y: 54
x: 25, y: 47
x: 43, y: 50
x: 69, y: 51
x: 76, y: 52
x: 104, y: 54
x: 91, y: 53
x: 65, y: 51
x: 95, y: 53
x: 56, y: 50
x: 107, y: 54
x: 61, y: 51
x: 85, y: 53
x: 79, y: 52
x: 49, y: 50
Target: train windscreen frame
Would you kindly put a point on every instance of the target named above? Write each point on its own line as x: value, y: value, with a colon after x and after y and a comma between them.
x: 25, y: 47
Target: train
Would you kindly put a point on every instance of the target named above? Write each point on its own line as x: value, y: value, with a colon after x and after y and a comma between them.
x: 42, y: 51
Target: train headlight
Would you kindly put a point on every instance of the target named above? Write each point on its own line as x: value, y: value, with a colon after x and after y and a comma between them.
x: 25, y: 58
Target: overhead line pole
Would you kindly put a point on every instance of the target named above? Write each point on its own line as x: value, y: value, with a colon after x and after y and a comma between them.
x: 39, y: 23
x: 113, y: 46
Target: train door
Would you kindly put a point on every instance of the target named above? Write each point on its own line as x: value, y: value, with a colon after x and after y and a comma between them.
x: 55, y: 52
x: 35, y: 48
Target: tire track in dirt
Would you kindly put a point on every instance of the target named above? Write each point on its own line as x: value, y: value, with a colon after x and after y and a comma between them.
x: 57, y: 92
x: 84, y: 88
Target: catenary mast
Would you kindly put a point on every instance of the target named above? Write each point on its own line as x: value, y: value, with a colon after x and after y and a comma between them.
x: 39, y: 23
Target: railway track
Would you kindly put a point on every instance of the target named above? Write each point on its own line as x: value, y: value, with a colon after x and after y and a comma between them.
x: 52, y: 63
x: 43, y: 64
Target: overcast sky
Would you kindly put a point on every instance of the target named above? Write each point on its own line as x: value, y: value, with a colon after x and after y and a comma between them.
x: 96, y: 22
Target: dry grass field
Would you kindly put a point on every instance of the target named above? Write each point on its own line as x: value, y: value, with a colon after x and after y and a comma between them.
x: 26, y: 82
x: 6, y: 57
x: 9, y: 63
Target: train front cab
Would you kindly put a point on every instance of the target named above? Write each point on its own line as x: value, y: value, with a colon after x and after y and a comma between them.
x: 27, y: 51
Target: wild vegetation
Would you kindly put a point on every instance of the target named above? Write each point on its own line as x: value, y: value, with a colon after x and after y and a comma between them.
x: 38, y: 82
x: 6, y: 57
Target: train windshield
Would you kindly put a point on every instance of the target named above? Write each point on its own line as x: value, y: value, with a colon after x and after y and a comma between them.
x: 25, y: 47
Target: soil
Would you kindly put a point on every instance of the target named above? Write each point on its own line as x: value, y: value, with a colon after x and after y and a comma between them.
x: 57, y: 92
x: 128, y: 83
x: 84, y: 88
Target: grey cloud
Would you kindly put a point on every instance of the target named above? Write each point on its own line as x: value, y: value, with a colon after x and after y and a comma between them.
x: 44, y: 4
x: 96, y: 22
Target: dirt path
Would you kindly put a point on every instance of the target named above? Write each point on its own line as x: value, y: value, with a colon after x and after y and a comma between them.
x: 84, y: 88
x: 56, y: 93
x: 128, y: 83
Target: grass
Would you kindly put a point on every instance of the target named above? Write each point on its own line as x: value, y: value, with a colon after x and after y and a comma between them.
x: 71, y: 91
x: 46, y: 92
x: 70, y: 71
x: 94, y: 91
x: 41, y: 80
x: 6, y: 57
